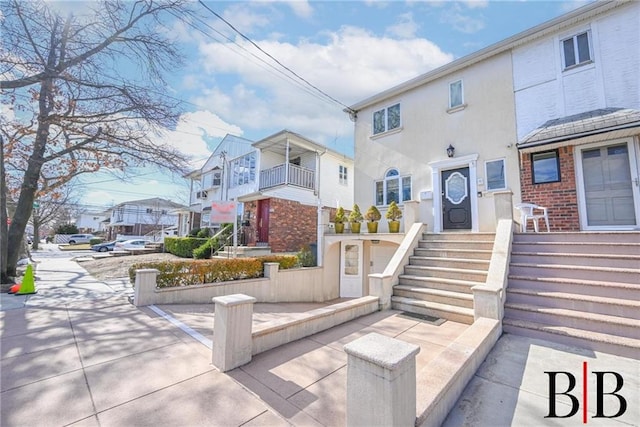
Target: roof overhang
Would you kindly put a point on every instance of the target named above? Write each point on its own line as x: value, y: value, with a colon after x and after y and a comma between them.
x: 584, y: 128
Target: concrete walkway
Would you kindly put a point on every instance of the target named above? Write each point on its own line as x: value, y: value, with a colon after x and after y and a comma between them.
x: 78, y: 353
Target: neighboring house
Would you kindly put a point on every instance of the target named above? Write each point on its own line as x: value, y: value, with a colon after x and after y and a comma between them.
x: 282, y: 184
x: 577, y: 94
x: 90, y: 222
x: 139, y: 217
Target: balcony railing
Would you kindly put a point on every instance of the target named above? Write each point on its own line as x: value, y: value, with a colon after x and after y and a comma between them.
x: 296, y: 176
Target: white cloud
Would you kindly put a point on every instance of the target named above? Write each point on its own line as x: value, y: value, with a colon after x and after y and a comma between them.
x: 476, y: 4
x: 350, y: 65
x: 405, y: 28
x: 192, y: 132
x: 301, y: 8
x: 462, y: 21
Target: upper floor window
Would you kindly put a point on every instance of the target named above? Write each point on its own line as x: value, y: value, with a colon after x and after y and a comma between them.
x: 576, y: 50
x: 494, y: 171
x: 243, y: 170
x: 386, y: 119
x: 217, y: 179
x: 342, y: 172
x: 545, y: 167
x: 393, y: 187
x: 456, y: 98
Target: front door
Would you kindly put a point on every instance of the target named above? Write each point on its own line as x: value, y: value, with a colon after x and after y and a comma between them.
x: 263, y: 220
x: 608, y: 186
x: 456, y: 200
x: 351, y: 269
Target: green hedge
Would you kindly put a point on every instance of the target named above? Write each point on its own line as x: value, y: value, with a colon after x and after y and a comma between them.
x: 95, y: 241
x: 195, y: 272
x: 183, y: 246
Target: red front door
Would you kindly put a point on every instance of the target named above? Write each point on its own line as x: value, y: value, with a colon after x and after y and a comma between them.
x: 263, y: 220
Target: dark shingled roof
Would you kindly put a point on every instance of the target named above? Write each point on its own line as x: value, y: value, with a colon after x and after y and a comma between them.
x: 591, y: 122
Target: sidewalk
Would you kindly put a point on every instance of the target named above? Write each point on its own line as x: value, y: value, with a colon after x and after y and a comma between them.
x: 78, y: 353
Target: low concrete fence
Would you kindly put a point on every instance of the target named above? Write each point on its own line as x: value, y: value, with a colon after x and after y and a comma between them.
x: 294, y: 285
x: 234, y: 342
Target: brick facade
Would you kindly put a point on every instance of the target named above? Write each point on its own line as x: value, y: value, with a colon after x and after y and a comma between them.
x: 292, y: 225
x: 559, y: 197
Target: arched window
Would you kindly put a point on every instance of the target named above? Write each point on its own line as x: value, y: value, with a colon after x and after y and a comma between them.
x: 393, y: 187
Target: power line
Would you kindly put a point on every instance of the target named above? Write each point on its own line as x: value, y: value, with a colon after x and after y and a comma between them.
x: 274, y: 59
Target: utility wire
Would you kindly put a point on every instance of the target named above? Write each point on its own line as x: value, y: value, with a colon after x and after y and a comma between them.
x: 274, y: 59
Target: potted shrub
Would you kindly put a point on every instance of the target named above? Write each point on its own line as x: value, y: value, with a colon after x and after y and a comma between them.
x: 355, y: 218
x: 393, y: 215
x: 339, y: 220
x: 372, y: 216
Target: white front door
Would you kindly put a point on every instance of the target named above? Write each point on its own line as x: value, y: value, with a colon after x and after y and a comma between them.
x: 609, y: 190
x: 351, y: 269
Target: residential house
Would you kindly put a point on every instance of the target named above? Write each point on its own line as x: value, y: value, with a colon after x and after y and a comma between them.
x: 140, y: 217
x: 90, y: 222
x: 577, y: 95
x: 207, y: 184
x: 282, y: 183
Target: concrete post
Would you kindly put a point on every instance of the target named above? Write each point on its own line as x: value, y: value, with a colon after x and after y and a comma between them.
x: 487, y: 302
x: 503, y: 204
x: 381, y: 382
x: 232, y: 342
x: 380, y: 286
x: 271, y: 270
x: 144, y: 286
x: 411, y: 213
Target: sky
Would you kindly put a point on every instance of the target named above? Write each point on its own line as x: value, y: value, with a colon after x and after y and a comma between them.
x: 349, y: 50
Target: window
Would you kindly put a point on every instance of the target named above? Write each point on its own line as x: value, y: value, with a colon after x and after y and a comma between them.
x: 243, y: 170
x: 149, y: 210
x: 386, y: 119
x: 545, y: 167
x: 494, y: 171
x: 455, y: 94
x: 392, y: 188
x: 343, y: 174
x: 576, y: 50
x: 217, y: 179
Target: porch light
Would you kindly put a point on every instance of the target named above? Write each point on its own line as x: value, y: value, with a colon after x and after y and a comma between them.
x: 450, y: 150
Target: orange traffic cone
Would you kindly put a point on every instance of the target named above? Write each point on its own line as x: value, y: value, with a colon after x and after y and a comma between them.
x: 28, y: 285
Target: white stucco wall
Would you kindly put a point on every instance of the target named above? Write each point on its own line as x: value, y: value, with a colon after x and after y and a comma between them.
x: 486, y: 128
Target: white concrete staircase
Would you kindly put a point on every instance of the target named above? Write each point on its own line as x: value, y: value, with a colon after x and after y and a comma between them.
x: 438, y: 279
x: 579, y: 289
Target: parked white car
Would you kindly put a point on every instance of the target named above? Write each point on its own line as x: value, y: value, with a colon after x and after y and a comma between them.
x: 130, y: 244
x: 80, y: 238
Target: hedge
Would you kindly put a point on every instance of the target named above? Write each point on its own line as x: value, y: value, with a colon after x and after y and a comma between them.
x: 95, y: 241
x: 183, y: 246
x: 196, y: 272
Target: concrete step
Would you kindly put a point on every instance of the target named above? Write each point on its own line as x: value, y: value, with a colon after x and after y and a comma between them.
x: 462, y: 286
x: 610, y: 248
x: 592, y: 322
x: 443, y: 311
x: 621, y: 275
x: 593, y: 260
x: 446, y: 273
x: 458, y: 299
x: 620, y: 346
x: 453, y: 253
x: 461, y: 236
x: 460, y: 263
x: 625, y: 291
x: 587, y: 303
x: 484, y: 245
x: 589, y: 237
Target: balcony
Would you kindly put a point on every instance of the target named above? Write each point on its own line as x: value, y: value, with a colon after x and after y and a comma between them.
x: 287, y: 174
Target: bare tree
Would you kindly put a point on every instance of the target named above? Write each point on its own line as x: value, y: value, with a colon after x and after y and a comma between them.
x: 88, y: 93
